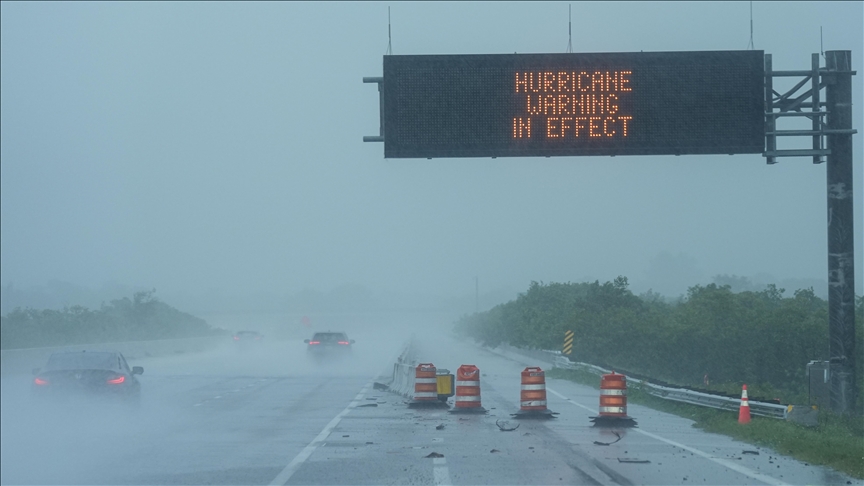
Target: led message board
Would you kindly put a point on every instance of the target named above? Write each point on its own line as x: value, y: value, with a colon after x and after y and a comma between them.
x: 502, y: 105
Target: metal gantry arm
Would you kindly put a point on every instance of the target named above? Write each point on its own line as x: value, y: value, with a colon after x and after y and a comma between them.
x: 788, y: 105
x: 380, y: 137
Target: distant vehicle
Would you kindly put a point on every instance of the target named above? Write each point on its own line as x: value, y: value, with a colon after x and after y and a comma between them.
x: 103, y: 374
x: 329, y: 344
x: 248, y: 338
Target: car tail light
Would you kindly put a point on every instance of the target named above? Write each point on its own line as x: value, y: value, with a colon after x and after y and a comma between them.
x: 344, y: 342
x: 314, y: 342
x: 116, y: 381
x: 40, y: 381
x: 236, y: 338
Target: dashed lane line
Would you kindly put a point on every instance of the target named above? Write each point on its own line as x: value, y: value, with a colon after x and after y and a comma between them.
x: 440, y: 472
x: 307, y: 451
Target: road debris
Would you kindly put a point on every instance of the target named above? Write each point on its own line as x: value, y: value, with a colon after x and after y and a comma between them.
x: 494, y: 451
x: 504, y: 425
x: 434, y: 455
x: 597, y: 442
x: 633, y: 460
x: 755, y: 453
x: 439, y: 427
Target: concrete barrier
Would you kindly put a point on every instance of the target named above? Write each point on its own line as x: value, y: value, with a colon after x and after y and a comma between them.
x: 22, y: 361
x: 402, y: 378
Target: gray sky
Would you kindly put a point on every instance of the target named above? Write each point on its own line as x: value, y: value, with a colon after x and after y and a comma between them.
x: 196, y: 146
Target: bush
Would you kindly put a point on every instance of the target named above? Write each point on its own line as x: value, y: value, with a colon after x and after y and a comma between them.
x: 759, y: 338
x: 141, y: 318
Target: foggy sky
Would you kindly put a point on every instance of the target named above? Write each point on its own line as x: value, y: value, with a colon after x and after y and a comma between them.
x: 194, y: 147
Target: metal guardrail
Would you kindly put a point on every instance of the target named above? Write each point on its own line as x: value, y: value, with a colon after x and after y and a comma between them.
x: 772, y: 410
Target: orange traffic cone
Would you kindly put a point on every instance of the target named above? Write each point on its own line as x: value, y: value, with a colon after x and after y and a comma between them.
x: 744, y: 411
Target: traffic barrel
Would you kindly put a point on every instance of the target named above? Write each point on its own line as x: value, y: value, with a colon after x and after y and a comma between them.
x: 532, y: 399
x: 613, y: 401
x: 468, y: 390
x: 744, y: 410
x: 425, y: 387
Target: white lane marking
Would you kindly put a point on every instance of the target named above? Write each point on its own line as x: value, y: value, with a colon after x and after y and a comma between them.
x: 440, y: 472
x: 198, y: 404
x: 568, y: 400
x: 235, y: 391
x: 217, y: 397
x: 307, y: 451
x: 727, y: 464
x: 735, y: 467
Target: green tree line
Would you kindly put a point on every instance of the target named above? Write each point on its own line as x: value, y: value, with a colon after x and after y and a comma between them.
x: 143, y: 317
x: 749, y: 337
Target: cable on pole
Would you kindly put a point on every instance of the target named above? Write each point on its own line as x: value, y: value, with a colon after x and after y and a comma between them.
x: 569, y: 29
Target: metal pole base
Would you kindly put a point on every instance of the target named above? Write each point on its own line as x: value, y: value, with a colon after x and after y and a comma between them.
x: 605, y: 421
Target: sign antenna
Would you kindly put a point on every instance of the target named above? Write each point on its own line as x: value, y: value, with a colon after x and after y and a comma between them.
x: 389, y: 37
x: 569, y: 30
x: 821, y: 47
x: 750, y: 45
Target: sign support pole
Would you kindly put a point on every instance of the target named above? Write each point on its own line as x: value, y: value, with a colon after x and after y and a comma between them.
x: 841, y: 234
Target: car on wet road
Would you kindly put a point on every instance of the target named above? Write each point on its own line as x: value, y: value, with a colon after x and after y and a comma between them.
x: 248, y: 339
x: 101, y: 374
x: 329, y: 344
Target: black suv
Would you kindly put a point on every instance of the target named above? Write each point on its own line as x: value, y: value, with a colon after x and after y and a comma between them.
x: 329, y: 344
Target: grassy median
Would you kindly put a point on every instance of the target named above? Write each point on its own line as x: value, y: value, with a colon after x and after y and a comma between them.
x: 837, y: 442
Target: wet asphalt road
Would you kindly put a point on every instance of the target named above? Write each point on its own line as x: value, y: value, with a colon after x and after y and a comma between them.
x: 272, y: 417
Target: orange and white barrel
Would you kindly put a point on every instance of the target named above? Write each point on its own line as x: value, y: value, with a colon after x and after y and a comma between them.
x: 613, y: 395
x: 533, y: 395
x: 425, y: 383
x: 467, y: 398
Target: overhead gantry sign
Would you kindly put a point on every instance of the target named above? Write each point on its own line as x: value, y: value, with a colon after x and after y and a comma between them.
x: 523, y: 105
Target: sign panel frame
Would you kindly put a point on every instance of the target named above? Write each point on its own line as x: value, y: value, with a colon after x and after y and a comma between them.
x: 582, y: 104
